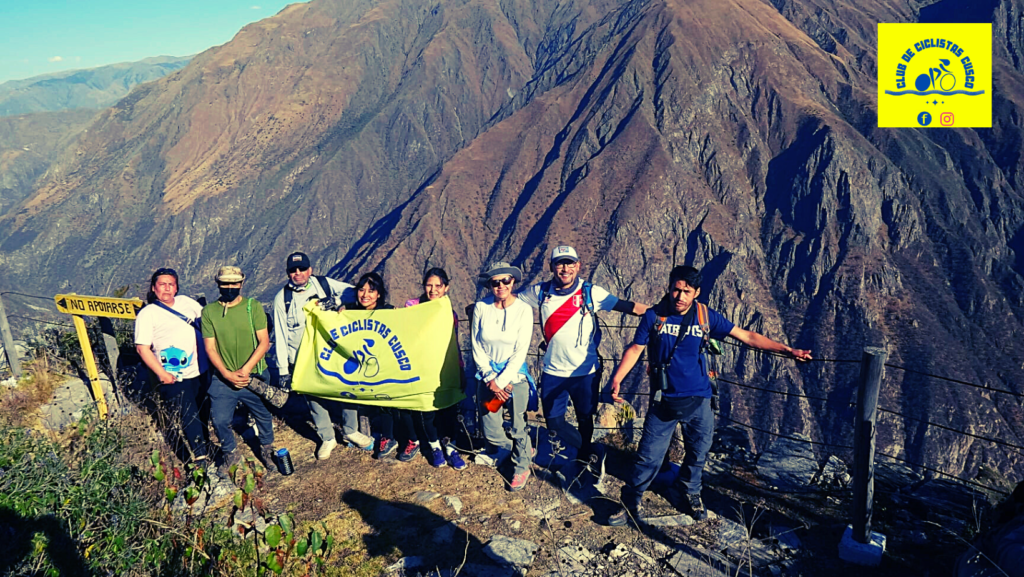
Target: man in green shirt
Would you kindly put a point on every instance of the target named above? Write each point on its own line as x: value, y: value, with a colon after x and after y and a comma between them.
x: 236, y: 338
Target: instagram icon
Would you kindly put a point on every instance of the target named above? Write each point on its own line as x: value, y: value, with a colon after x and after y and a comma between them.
x: 946, y: 119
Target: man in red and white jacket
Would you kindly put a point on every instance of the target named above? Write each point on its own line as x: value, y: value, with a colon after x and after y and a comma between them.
x: 571, y: 365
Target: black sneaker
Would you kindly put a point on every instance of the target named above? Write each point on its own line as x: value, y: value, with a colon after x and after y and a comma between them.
x: 230, y: 459
x: 624, y: 515
x: 385, y: 447
x: 697, y: 510
x: 409, y: 452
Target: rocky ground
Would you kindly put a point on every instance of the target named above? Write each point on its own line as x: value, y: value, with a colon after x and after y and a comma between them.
x: 779, y: 513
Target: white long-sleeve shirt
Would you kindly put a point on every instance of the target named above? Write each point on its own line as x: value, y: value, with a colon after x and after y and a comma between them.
x: 501, y: 335
x: 288, y: 329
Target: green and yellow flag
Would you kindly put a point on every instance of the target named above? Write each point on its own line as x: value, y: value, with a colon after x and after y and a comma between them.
x: 403, y: 358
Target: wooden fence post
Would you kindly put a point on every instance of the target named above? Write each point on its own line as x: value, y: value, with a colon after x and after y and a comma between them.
x: 872, y: 369
x: 8, y: 340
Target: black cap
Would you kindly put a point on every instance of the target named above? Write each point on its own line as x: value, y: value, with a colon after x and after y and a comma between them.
x: 297, y: 260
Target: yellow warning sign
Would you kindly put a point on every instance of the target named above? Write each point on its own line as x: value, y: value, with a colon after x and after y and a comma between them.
x: 98, y: 306
x: 935, y: 75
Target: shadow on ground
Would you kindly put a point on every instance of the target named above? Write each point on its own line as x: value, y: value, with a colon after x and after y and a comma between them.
x: 414, y: 531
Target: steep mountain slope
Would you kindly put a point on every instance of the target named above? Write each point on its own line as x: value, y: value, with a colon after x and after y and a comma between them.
x: 28, y: 144
x: 89, y: 88
x: 738, y: 135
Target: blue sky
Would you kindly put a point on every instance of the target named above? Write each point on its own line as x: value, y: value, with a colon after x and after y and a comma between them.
x: 43, y: 36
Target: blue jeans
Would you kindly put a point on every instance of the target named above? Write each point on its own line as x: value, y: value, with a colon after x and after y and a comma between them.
x: 223, y: 400
x: 698, y: 422
x: 555, y: 393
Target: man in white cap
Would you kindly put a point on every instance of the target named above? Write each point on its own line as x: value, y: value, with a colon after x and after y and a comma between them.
x: 289, y: 326
x: 571, y: 366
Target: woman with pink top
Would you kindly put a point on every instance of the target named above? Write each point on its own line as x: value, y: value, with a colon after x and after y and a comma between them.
x: 427, y: 423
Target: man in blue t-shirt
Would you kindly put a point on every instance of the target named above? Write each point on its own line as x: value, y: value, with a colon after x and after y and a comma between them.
x: 686, y: 398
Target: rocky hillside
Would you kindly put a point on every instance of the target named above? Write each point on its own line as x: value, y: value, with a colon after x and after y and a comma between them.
x: 89, y: 88
x: 738, y: 135
x: 28, y: 144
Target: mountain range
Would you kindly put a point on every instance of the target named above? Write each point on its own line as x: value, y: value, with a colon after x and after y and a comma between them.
x: 737, y: 135
x: 87, y: 88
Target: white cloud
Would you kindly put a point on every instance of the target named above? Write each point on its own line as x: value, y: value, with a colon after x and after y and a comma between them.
x: 55, y: 59
x: 78, y: 58
x: 255, y: 7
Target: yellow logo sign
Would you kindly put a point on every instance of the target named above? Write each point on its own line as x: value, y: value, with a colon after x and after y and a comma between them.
x: 934, y: 75
x: 98, y: 306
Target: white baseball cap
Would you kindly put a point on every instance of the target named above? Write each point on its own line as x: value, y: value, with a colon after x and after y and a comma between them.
x: 564, y: 252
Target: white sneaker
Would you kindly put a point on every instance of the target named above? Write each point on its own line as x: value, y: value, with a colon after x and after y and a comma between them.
x: 361, y: 441
x: 493, y: 460
x: 324, y: 452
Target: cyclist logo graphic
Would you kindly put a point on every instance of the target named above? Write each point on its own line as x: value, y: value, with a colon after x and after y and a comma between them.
x: 947, y: 81
x: 925, y: 70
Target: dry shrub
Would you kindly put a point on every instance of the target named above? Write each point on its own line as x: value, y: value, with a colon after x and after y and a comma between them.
x: 35, y: 389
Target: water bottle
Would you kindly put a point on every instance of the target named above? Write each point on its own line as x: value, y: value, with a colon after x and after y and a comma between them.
x: 284, y: 462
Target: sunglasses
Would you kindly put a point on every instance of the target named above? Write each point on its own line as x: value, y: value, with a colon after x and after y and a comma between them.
x: 565, y: 262
x: 495, y: 283
x: 295, y: 269
x: 165, y: 271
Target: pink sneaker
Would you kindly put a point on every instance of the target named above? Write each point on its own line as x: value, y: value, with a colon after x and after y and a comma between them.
x: 519, y: 480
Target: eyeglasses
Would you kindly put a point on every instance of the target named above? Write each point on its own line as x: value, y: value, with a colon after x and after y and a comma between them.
x: 295, y: 269
x: 495, y: 283
x: 565, y: 263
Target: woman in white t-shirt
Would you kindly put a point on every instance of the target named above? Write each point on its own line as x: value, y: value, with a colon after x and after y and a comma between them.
x: 165, y: 338
x: 501, y: 330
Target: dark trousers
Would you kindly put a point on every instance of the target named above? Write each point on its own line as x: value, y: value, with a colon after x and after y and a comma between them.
x: 423, y: 425
x: 223, y: 400
x: 184, y: 398
x: 698, y: 422
x: 555, y: 393
x: 385, y: 421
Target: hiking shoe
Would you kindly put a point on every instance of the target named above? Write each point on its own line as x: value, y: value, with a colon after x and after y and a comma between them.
x: 409, y: 452
x: 455, y: 461
x: 267, y: 455
x: 493, y: 460
x: 437, y: 458
x: 696, y: 506
x: 519, y: 481
x: 385, y: 447
x: 359, y: 441
x: 230, y: 459
x: 625, y: 515
x: 324, y: 452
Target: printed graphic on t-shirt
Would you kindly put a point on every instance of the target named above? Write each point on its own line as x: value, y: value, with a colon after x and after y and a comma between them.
x: 175, y: 360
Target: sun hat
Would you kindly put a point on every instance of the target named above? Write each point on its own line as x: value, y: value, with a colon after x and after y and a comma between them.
x: 566, y: 252
x: 501, y: 268
x: 229, y: 275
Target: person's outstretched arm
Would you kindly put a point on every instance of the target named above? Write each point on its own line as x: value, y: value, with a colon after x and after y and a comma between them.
x: 759, y: 341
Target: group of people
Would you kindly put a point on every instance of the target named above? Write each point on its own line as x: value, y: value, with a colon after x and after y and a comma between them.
x: 177, y: 339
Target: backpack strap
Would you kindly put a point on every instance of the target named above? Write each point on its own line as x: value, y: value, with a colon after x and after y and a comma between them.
x: 324, y: 286
x: 588, y: 297
x: 191, y: 323
x: 705, y: 326
x: 328, y: 291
